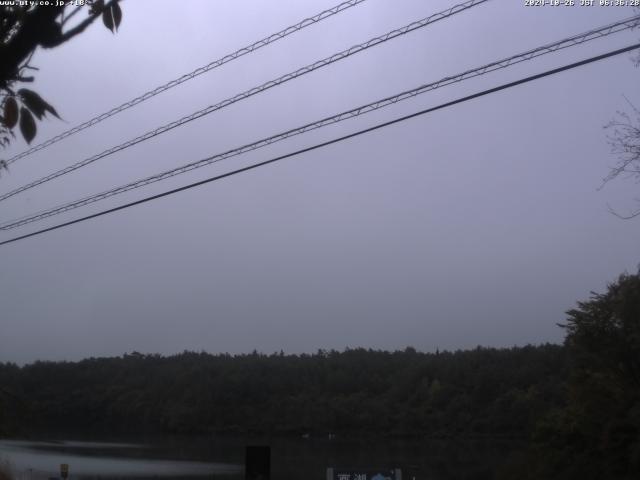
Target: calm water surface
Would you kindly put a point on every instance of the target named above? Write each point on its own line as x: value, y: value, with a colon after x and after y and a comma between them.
x: 223, y: 457
x: 41, y: 459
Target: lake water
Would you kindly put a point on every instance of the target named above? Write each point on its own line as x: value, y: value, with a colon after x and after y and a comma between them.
x: 41, y: 459
x: 223, y: 457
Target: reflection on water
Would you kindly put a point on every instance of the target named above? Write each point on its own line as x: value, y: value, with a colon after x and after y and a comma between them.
x: 222, y: 457
x: 67, y: 443
x: 42, y: 459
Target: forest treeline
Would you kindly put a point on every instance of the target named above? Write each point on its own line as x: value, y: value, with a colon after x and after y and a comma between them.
x: 479, y: 392
x: 577, y: 404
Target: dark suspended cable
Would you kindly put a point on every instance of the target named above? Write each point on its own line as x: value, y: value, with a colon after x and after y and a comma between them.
x: 249, y: 93
x: 361, y: 110
x: 330, y: 142
x: 184, y: 78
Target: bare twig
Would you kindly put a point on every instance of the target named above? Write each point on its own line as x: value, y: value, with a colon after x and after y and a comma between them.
x: 625, y: 142
x: 623, y: 217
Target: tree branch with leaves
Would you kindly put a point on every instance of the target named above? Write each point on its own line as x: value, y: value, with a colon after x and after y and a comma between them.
x: 23, y: 29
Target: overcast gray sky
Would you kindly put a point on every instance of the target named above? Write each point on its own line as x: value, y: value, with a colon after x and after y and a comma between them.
x: 480, y: 224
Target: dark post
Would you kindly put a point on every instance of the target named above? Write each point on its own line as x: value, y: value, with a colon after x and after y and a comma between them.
x: 258, y: 463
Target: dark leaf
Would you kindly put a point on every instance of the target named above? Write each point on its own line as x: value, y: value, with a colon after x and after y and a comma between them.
x: 53, y: 111
x: 27, y: 125
x: 107, y: 19
x: 36, y: 103
x: 96, y: 7
x: 33, y: 102
x: 10, y: 112
x: 117, y: 14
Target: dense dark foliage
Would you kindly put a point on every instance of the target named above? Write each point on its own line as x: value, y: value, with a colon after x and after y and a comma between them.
x: 597, y: 434
x: 25, y: 27
x: 578, y: 404
x: 478, y: 392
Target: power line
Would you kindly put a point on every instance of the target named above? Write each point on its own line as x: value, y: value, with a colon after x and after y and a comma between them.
x: 335, y: 140
x: 253, y: 91
x: 198, y: 71
x: 493, y: 66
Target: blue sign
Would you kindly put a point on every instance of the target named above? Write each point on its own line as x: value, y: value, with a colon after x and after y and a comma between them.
x: 364, y: 474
